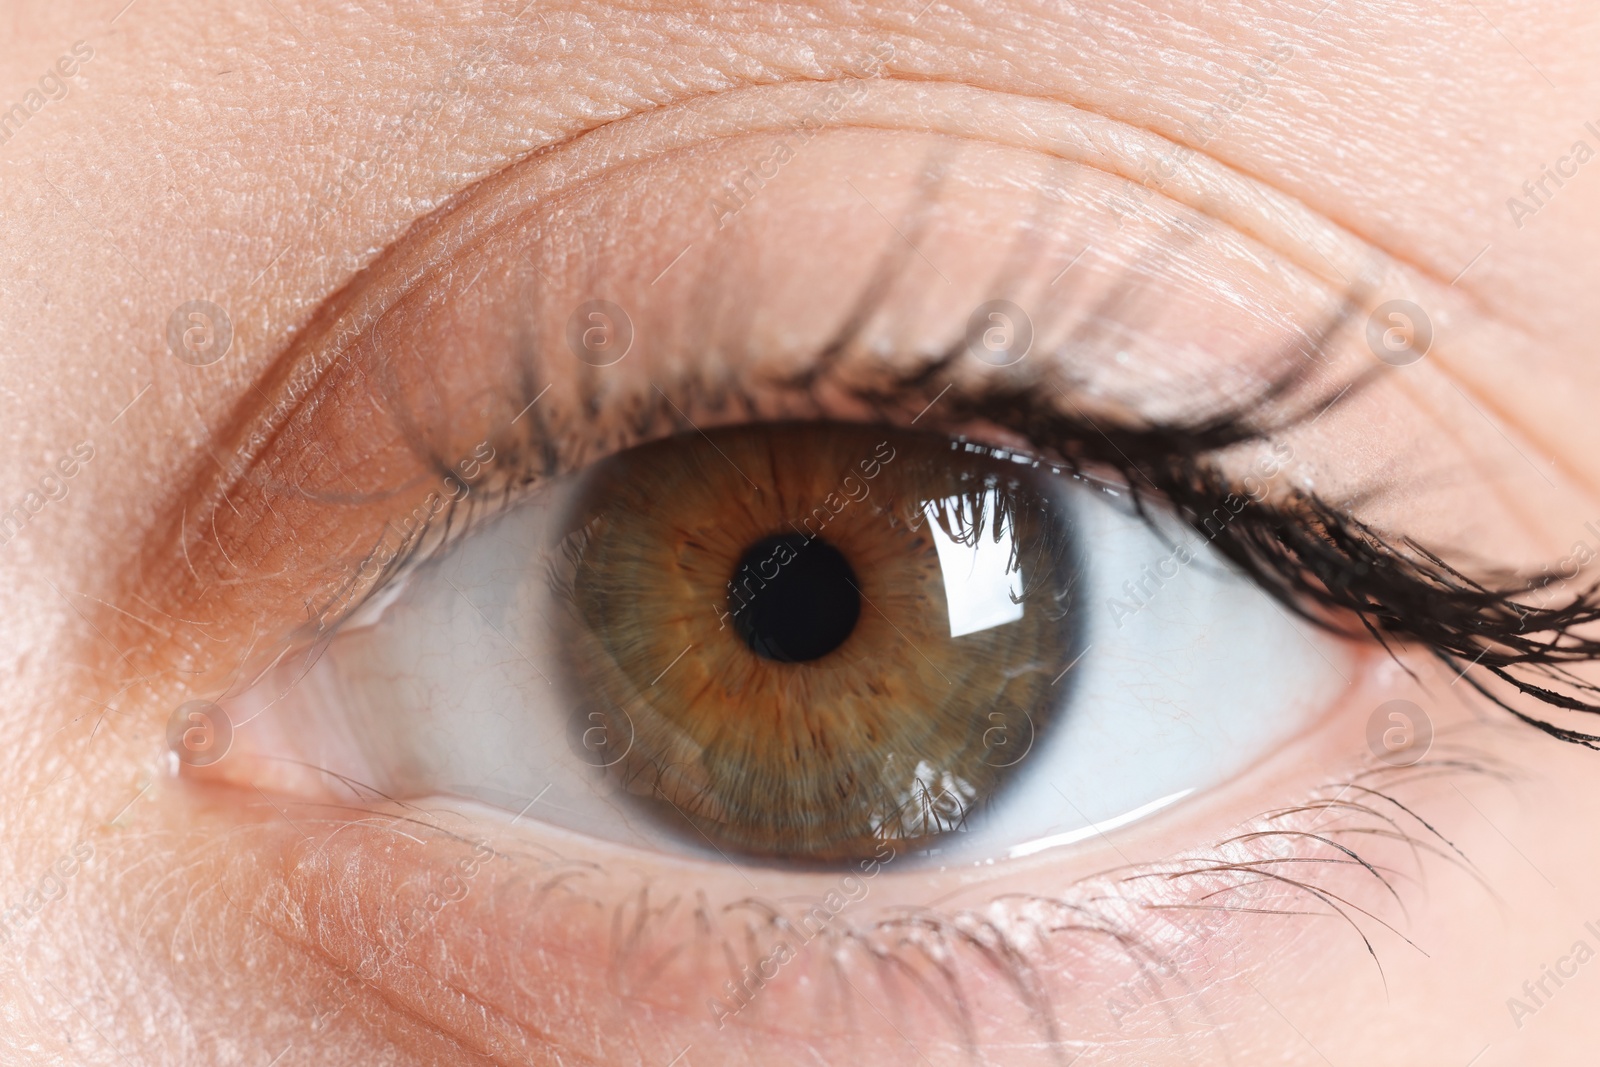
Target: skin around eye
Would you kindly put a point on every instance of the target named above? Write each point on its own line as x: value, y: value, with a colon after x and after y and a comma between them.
x: 355, y: 446
x: 156, y: 921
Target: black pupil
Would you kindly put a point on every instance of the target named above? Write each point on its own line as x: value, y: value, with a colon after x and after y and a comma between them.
x: 793, y: 599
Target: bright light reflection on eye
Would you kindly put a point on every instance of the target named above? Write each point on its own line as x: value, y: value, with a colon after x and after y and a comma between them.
x: 982, y: 586
x: 1095, y: 829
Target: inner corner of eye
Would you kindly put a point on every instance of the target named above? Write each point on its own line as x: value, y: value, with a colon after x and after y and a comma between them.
x: 814, y: 644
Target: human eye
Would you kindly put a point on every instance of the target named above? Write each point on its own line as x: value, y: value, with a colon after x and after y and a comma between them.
x: 641, y: 556
x: 882, y: 643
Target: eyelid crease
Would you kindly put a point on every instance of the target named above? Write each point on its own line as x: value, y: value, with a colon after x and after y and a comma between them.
x: 1322, y: 249
x: 339, y: 326
x: 1312, y: 242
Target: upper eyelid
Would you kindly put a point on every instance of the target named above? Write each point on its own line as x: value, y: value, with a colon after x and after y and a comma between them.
x: 1284, y: 225
x: 341, y: 323
x: 1266, y: 215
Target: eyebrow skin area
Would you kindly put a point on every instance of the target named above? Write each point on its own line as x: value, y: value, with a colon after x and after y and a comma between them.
x: 309, y: 304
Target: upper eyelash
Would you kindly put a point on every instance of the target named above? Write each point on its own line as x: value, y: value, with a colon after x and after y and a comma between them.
x: 1316, y: 559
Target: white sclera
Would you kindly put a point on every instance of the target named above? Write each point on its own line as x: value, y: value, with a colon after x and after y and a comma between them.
x: 455, y: 686
x: 1180, y: 685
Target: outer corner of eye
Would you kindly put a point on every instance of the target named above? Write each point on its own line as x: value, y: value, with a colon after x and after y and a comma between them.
x: 809, y: 644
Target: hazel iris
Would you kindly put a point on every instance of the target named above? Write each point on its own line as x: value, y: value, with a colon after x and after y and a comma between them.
x: 808, y: 639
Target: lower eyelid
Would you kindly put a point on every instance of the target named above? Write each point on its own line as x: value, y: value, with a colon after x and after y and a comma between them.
x: 510, y: 939
x: 643, y: 961
x: 603, y: 936
x: 513, y: 914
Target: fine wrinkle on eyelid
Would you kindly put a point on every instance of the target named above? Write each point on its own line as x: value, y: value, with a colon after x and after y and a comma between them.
x: 1284, y: 225
x: 1243, y: 198
x: 1324, y: 246
x: 1246, y: 202
x: 626, y: 141
x: 1506, y: 493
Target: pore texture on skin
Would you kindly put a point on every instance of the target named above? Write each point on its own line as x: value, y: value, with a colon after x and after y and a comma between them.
x: 967, y: 532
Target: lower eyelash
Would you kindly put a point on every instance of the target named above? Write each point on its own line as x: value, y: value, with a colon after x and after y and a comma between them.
x: 953, y: 957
